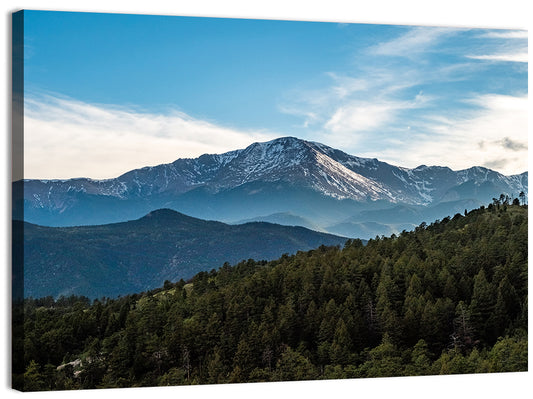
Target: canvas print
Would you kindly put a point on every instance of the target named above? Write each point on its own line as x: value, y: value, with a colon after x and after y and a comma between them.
x: 215, y: 200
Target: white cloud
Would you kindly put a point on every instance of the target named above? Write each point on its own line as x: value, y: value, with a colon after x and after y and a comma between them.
x: 506, y: 34
x: 508, y: 57
x: 347, y: 85
x: 349, y: 122
x: 356, y: 120
x: 506, y: 45
x: 65, y: 138
x: 351, y: 105
x: 495, y: 136
x: 415, y: 41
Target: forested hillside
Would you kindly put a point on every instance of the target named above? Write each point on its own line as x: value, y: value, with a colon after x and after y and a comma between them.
x: 141, y: 254
x: 449, y: 297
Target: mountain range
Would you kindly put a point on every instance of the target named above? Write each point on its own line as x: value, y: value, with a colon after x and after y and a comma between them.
x: 134, y: 256
x: 286, y: 180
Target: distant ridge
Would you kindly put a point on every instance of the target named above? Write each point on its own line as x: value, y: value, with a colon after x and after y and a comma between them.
x: 138, y: 255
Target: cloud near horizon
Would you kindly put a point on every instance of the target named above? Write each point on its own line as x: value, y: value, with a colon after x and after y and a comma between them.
x: 97, y: 141
x: 87, y: 140
x: 493, y: 135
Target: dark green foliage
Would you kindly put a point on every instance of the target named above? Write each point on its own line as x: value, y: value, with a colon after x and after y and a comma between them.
x: 449, y: 297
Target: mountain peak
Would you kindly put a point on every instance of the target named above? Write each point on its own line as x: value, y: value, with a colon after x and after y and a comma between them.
x: 286, y: 140
x: 286, y: 143
x: 163, y: 212
x: 165, y: 215
x: 198, y: 185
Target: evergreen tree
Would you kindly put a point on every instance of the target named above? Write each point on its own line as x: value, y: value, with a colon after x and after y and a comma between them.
x: 341, y: 346
x: 482, y: 306
x: 33, y: 378
x: 292, y: 366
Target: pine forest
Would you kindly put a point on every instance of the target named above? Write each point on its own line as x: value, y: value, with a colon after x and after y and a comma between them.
x: 448, y: 297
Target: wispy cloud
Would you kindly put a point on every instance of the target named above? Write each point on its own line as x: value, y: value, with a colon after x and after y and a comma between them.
x: 356, y: 104
x: 509, y: 57
x: 361, y: 116
x: 414, y: 42
x: 421, y: 98
x: 505, y: 34
x: 344, y: 86
x: 66, y: 138
x: 505, y: 45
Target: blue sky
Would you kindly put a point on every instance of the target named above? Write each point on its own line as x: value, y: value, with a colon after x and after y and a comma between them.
x: 106, y: 93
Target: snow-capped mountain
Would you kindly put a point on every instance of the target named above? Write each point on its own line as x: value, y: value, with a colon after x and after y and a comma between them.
x: 287, y: 174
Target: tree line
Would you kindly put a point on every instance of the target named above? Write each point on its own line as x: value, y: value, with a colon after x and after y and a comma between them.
x: 448, y: 297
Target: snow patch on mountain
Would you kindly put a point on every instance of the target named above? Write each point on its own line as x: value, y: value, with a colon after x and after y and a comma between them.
x: 347, y: 184
x: 299, y: 163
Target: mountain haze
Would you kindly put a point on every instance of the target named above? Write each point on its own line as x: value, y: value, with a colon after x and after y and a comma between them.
x: 309, y: 180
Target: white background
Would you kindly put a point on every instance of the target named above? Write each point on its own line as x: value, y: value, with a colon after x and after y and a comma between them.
x: 515, y: 14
